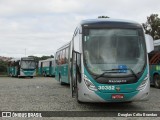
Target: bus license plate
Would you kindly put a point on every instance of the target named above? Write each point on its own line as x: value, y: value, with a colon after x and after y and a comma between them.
x: 117, y: 96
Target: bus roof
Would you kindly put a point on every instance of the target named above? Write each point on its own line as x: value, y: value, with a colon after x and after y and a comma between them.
x: 157, y: 42
x: 108, y: 21
x: 27, y: 58
x: 64, y: 46
x: 49, y: 59
x: 22, y: 58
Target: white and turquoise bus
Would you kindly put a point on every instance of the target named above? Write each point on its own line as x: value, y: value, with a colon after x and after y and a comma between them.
x: 62, y: 64
x: 154, y: 60
x: 107, y: 61
x: 47, y: 67
x: 23, y: 67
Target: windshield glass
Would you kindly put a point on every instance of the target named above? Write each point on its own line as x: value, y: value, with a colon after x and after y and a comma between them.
x: 107, y: 49
x: 28, y: 64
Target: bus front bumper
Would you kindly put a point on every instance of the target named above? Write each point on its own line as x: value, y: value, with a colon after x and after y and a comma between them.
x: 87, y: 95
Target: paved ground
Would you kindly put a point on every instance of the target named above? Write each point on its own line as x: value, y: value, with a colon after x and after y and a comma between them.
x: 46, y: 94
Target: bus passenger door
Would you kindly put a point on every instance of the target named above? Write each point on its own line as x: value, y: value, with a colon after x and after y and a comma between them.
x: 41, y: 68
x: 50, y: 68
x: 75, y: 71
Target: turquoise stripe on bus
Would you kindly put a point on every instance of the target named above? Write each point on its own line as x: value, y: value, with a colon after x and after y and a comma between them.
x: 28, y: 73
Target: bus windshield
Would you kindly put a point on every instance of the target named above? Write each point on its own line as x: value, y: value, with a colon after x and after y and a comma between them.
x: 107, y: 49
x: 26, y: 64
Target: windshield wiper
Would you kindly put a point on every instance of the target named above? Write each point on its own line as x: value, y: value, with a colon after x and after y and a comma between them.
x: 107, y: 71
x: 132, y: 72
x: 129, y: 70
x: 116, y: 72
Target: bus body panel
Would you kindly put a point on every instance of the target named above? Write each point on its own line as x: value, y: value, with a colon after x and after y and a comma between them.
x: 62, y: 71
x: 57, y: 73
x: 12, y: 71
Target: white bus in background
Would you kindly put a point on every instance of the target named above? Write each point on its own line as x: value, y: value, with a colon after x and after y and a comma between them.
x: 23, y: 67
x: 46, y: 67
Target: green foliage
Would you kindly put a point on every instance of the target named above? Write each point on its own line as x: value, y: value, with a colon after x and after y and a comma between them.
x: 152, y: 26
x: 103, y: 17
x: 41, y: 58
x: 3, y: 66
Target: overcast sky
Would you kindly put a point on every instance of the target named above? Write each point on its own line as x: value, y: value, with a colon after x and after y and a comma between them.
x: 42, y: 26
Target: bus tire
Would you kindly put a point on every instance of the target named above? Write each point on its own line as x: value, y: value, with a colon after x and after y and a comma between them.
x: 77, y: 95
x: 157, y: 81
x: 78, y: 101
x: 44, y: 74
x: 127, y: 102
x: 11, y: 75
x: 60, y: 80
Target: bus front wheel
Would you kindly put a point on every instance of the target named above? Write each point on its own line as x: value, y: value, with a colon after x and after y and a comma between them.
x: 60, y: 80
x: 44, y: 74
x: 157, y: 81
x: 76, y: 89
x: 77, y: 96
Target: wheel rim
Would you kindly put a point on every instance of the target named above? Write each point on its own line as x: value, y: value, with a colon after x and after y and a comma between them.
x: 60, y: 80
x: 157, y: 81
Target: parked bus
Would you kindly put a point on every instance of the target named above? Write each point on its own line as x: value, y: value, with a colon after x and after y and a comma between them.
x: 24, y: 67
x: 107, y: 61
x: 62, y: 63
x: 154, y: 59
x: 47, y: 67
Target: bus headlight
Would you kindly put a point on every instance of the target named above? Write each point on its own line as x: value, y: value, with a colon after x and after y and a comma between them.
x: 143, y: 84
x: 90, y: 85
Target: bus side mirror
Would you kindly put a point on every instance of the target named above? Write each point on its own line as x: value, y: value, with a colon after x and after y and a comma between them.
x: 149, y: 43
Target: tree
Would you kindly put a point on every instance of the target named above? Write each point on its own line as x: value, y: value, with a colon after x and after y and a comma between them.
x: 152, y: 26
x: 3, y: 67
x: 41, y: 58
x: 52, y: 56
x: 103, y: 17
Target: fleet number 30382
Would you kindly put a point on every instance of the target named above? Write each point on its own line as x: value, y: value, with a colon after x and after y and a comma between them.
x: 106, y: 87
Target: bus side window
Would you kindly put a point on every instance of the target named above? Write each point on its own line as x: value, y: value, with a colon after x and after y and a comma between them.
x: 66, y: 57
x: 63, y: 57
x: 56, y: 58
x: 61, y: 54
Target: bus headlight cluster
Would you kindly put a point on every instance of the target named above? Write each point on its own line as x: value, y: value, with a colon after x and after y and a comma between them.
x: 143, y: 84
x: 89, y: 84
